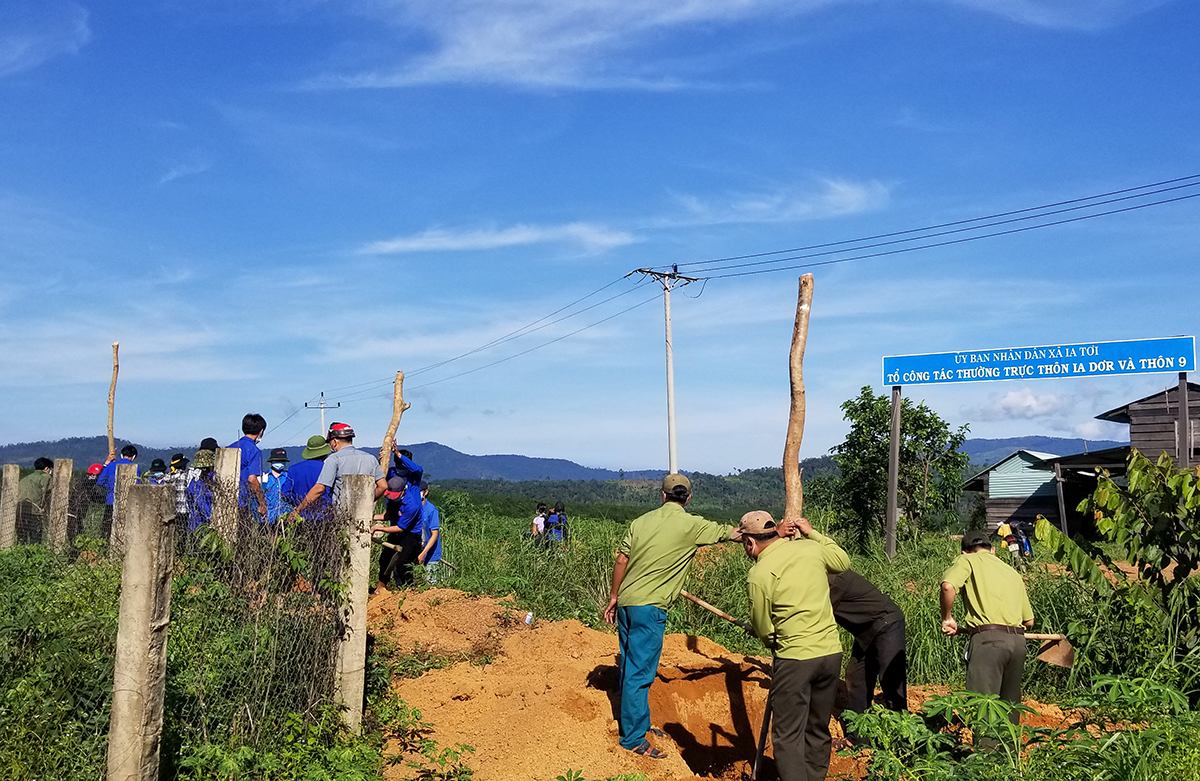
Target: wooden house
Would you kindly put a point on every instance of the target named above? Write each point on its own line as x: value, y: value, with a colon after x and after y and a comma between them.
x: 1154, y: 423
x: 1015, y: 489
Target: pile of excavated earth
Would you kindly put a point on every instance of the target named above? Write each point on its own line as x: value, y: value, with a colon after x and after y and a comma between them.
x: 536, y: 700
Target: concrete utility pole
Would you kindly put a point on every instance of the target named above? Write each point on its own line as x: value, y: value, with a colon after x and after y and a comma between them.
x: 668, y: 280
x: 322, y: 406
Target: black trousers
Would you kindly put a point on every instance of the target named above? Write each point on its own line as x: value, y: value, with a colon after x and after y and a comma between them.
x: 995, y: 664
x: 397, y: 564
x: 882, y: 660
x: 802, y: 694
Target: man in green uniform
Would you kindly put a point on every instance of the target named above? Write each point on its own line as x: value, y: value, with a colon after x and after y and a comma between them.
x: 33, y: 501
x: 652, y: 563
x: 997, y: 615
x: 791, y: 613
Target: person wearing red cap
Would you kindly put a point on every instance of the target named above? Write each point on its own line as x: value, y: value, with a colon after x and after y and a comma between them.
x: 346, y: 459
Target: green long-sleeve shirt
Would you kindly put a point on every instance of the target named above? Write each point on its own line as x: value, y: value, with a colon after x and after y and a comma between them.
x: 660, y: 546
x: 35, y: 489
x: 789, y: 596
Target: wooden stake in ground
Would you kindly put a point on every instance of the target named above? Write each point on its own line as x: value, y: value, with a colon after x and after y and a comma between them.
x: 398, y: 407
x: 793, y: 491
x: 112, y: 396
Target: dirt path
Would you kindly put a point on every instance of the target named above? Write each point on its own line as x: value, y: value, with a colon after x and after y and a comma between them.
x: 545, y: 702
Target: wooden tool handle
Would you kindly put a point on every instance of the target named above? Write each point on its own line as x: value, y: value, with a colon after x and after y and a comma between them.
x: 716, y: 611
x: 1036, y: 636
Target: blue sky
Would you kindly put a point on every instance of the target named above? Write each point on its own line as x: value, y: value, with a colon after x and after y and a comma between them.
x: 264, y: 200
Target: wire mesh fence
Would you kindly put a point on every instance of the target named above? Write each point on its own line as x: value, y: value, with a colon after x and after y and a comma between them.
x: 257, y: 614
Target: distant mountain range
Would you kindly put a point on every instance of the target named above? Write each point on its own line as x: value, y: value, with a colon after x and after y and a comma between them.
x: 985, y: 452
x: 446, y: 463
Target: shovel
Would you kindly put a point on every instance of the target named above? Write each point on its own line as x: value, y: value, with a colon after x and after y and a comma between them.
x: 1055, y: 649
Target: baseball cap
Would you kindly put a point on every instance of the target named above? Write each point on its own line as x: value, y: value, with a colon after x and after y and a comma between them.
x: 757, y: 522
x: 976, y: 538
x: 340, y: 431
x: 396, y: 486
x: 424, y: 485
x: 672, y: 481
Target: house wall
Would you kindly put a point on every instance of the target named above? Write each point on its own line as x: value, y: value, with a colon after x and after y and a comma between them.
x: 1028, y: 509
x: 1154, y: 423
x: 1017, y: 479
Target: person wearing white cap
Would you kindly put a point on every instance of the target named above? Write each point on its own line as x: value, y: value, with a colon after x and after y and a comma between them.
x: 791, y: 613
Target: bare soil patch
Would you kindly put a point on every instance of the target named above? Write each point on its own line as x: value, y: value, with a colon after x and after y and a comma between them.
x: 546, y: 702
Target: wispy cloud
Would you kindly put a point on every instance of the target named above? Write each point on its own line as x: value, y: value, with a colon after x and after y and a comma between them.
x: 1065, y: 14
x: 180, y: 170
x: 590, y: 44
x: 593, y: 238
x: 32, y: 33
x: 829, y: 198
x: 610, y: 44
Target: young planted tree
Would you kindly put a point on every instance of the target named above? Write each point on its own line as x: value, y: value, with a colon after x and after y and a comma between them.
x: 931, y: 466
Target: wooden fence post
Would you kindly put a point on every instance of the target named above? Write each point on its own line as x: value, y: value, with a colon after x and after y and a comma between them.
x: 356, y: 504
x: 60, y: 494
x: 140, y: 669
x: 8, y: 506
x: 125, y: 478
x: 225, y: 493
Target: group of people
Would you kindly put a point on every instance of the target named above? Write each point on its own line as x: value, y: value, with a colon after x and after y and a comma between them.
x: 275, y: 489
x: 801, y: 588
x: 550, y: 527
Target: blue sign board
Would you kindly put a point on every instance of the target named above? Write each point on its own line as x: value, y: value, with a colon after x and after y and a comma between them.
x: 1089, y: 359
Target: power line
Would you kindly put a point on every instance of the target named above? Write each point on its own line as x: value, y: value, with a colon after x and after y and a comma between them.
x: 946, y: 243
x: 945, y: 224
x: 527, y: 351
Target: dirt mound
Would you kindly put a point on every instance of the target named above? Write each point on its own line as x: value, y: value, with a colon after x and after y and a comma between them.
x: 545, y: 703
x: 443, y: 621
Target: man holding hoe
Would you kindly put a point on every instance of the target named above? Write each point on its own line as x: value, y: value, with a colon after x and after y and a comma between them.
x: 652, y: 564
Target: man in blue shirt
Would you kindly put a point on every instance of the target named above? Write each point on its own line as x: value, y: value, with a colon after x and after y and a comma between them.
x: 108, y: 481
x: 402, y: 520
x: 253, y: 426
x: 303, y: 474
x: 431, y: 534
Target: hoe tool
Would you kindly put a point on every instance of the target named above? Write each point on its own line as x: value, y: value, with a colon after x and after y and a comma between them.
x: 1055, y: 649
x: 716, y: 611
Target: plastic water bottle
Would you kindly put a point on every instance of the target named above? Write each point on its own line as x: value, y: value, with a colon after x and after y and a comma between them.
x: 529, y: 618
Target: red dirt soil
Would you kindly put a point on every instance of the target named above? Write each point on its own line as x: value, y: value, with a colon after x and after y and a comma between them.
x: 545, y: 702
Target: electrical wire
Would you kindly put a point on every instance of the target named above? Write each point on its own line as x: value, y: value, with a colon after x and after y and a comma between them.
x: 945, y: 243
x: 944, y: 224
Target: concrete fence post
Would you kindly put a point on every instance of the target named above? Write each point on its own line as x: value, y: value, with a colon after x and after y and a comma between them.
x: 225, y: 493
x: 356, y: 503
x: 60, y: 495
x: 8, y: 506
x: 125, y: 478
x: 140, y: 669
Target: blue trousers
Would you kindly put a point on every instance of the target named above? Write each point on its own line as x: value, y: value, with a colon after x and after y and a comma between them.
x: 640, y: 633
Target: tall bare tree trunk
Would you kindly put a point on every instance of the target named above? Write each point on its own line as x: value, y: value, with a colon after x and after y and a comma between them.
x: 112, y: 397
x: 793, y: 491
x: 398, y: 408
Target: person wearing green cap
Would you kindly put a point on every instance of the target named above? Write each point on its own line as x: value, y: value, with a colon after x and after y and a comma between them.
x: 652, y: 564
x: 304, y: 473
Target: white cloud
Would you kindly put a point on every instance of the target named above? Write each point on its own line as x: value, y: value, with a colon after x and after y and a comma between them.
x: 593, y: 238
x: 1065, y: 14
x: 1021, y: 404
x: 34, y: 33
x: 183, y: 169
x: 612, y: 44
x: 831, y: 198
